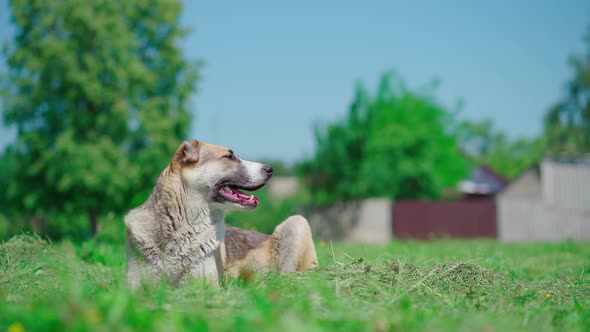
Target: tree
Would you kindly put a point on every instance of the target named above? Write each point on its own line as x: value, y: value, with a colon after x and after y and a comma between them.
x: 98, y: 93
x: 398, y: 144
x: 486, y: 145
x: 567, y: 123
x: 7, y: 168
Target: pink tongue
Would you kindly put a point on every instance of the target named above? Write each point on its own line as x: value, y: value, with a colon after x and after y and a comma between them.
x: 244, y: 197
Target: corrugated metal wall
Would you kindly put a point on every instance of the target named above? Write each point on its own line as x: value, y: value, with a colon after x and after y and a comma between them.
x: 472, y: 218
x: 566, y: 185
x: 525, y: 220
x: 551, y: 206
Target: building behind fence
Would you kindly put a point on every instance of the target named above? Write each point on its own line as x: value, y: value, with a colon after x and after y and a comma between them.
x: 550, y: 202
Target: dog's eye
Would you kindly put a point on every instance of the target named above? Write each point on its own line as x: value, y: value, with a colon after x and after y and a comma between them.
x: 231, y: 156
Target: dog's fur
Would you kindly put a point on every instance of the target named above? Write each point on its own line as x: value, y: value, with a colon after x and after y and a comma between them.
x: 179, y: 232
x: 290, y: 248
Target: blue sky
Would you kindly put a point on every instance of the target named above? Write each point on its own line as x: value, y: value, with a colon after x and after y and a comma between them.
x: 273, y: 70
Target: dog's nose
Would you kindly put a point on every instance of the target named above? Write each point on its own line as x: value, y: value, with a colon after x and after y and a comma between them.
x: 267, y: 169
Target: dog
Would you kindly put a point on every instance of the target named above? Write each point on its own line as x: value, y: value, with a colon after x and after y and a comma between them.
x: 179, y: 232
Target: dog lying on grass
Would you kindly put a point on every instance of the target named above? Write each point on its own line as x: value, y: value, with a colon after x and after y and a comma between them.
x: 179, y: 232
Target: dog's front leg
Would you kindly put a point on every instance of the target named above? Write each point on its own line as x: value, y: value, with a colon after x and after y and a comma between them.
x: 151, y: 254
x: 206, y: 270
x: 153, y: 257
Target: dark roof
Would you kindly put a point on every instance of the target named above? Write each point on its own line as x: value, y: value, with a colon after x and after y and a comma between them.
x: 483, y: 181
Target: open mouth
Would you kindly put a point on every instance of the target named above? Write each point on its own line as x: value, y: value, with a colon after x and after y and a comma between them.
x: 233, y: 194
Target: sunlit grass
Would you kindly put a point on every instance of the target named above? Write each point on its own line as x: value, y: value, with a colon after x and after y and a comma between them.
x: 442, y: 285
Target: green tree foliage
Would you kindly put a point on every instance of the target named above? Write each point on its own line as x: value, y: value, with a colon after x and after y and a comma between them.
x: 98, y: 92
x: 485, y: 145
x: 567, y: 124
x: 397, y: 144
x: 8, y: 166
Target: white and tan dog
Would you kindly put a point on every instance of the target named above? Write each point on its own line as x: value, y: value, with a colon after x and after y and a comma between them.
x: 180, y: 233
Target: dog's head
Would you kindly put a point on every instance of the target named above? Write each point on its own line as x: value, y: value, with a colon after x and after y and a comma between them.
x: 218, y: 175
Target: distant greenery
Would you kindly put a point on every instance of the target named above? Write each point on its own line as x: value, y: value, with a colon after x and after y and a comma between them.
x: 98, y: 91
x: 402, y: 144
x: 411, y: 286
x: 566, y: 131
x: 567, y: 123
x: 483, y: 144
x: 398, y: 143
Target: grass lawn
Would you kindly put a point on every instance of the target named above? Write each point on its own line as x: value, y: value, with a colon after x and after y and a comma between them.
x: 441, y: 285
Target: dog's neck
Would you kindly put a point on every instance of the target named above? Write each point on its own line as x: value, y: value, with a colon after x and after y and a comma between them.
x: 218, y: 218
x: 201, y: 216
x: 185, y: 208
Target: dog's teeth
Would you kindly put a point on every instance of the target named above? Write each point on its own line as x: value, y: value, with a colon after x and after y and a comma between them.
x: 227, y: 188
x: 251, y: 199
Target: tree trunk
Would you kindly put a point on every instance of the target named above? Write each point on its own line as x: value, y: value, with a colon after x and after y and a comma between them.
x: 93, y: 220
x: 38, y: 224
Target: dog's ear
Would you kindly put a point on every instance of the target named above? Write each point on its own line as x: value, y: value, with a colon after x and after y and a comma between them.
x: 188, y: 152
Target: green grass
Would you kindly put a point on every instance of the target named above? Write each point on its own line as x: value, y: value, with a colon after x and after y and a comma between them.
x: 441, y: 285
